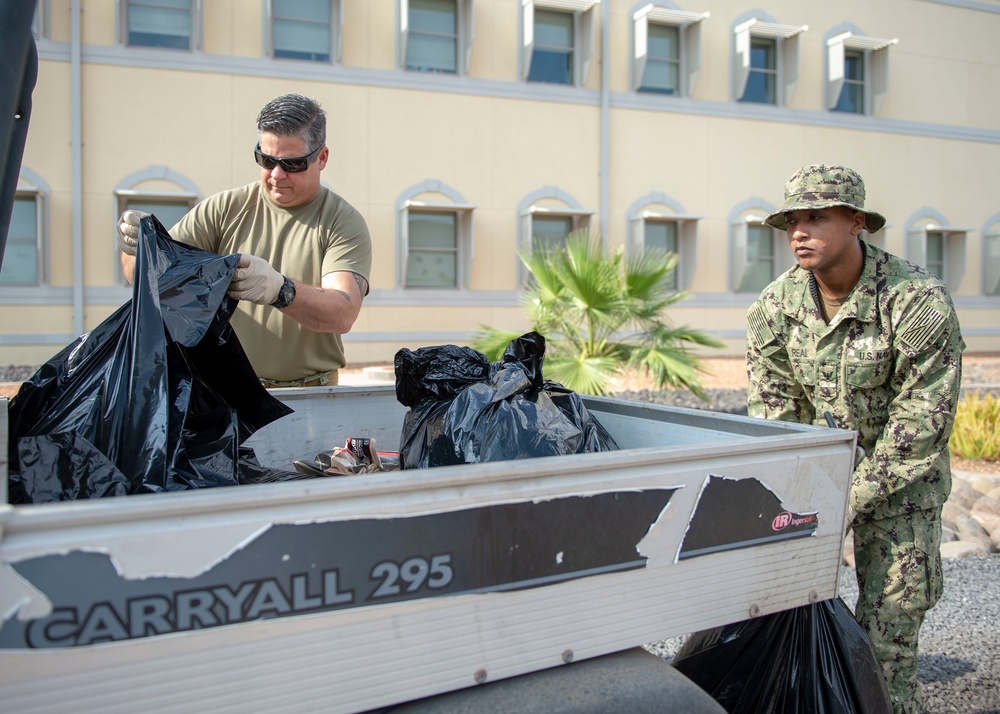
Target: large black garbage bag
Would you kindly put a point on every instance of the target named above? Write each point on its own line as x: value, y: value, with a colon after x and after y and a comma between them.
x: 813, y: 659
x: 158, y: 397
x: 466, y: 410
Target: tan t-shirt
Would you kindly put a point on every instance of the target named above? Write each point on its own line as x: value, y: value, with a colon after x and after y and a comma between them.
x: 306, y: 242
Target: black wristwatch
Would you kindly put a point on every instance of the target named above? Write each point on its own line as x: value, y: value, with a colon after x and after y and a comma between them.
x: 286, y: 294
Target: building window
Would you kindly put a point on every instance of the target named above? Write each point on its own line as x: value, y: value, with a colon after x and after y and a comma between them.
x: 935, y: 259
x: 661, y: 237
x: 552, y: 60
x: 303, y: 30
x: 557, y: 40
x: 857, y: 72
x: 159, y: 23
x: 435, y: 237
x: 436, y: 35
x: 546, y: 218
x: 762, y: 82
x: 167, y: 209
x: 432, y: 260
x: 852, y: 93
x: 667, y: 49
x: 991, y: 261
x: 766, y: 62
x: 662, y: 72
x: 550, y: 232
x: 658, y: 223
x: 758, y: 253
x: 937, y: 247
x: 159, y: 191
x: 22, y: 258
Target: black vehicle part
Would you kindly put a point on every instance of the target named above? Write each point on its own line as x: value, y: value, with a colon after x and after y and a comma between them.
x: 466, y: 410
x: 814, y: 659
x: 158, y: 397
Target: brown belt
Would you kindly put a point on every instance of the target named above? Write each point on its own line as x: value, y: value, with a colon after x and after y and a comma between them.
x: 323, y: 379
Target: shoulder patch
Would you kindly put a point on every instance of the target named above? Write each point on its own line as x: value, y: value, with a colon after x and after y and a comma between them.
x: 925, y: 326
x: 757, y: 322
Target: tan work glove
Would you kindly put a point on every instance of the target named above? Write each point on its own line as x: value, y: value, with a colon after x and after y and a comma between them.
x: 255, y: 281
x: 127, y: 231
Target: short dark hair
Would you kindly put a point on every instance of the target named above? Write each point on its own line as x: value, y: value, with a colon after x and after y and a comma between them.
x: 294, y: 115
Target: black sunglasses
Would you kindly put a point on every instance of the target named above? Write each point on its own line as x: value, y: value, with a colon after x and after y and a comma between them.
x: 293, y: 165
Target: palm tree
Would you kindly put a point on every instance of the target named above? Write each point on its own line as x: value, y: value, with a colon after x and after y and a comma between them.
x: 602, y: 314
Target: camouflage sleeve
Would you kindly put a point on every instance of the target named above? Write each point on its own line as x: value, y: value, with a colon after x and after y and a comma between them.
x: 773, y: 391
x: 911, y: 452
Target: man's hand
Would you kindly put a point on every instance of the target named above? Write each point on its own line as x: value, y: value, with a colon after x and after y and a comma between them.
x: 127, y: 231
x: 255, y: 280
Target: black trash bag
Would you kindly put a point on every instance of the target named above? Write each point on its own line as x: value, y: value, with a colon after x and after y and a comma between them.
x: 814, y: 659
x: 466, y: 410
x: 158, y: 397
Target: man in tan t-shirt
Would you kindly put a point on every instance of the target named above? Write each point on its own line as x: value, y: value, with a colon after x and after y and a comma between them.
x: 305, y: 253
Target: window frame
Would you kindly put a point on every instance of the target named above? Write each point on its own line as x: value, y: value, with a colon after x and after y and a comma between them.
x: 955, y: 241
x: 38, y: 197
x: 194, y: 37
x: 465, y: 28
x: 126, y: 189
x: 660, y: 208
x: 876, y: 69
x: 464, y: 231
x: 782, y: 258
x: 584, y: 35
x: 336, y: 34
x: 786, y: 39
x: 688, y: 26
x: 548, y: 201
x: 464, y: 244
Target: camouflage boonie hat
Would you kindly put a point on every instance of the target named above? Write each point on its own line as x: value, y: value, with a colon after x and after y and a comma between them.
x: 823, y: 187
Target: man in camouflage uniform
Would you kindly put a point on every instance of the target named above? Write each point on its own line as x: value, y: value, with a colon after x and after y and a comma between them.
x: 874, y: 341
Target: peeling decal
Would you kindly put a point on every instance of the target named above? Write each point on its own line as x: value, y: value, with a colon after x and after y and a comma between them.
x: 740, y: 513
x: 295, y: 569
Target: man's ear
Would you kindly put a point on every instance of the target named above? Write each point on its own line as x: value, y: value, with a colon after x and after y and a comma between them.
x: 859, y: 223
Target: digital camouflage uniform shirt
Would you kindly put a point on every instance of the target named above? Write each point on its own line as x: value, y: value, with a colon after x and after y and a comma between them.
x: 888, y: 365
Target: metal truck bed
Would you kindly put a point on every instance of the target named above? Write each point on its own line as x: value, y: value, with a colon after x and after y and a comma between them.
x: 354, y: 592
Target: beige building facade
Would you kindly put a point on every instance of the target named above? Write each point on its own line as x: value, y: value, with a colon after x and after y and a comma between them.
x: 465, y: 129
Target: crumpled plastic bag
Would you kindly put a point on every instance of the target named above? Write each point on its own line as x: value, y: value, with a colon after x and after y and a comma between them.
x: 814, y: 659
x: 158, y: 397
x: 463, y: 409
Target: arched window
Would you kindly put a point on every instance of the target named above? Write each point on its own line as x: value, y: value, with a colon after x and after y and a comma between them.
x: 158, y: 190
x: 657, y: 222
x: 545, y: 218
x: 936, y: 246
x: 25, y: 258
x: 434, y: 236
x: 758, y: 253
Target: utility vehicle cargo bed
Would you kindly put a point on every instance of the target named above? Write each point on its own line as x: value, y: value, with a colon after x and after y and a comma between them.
x: 354, y: 592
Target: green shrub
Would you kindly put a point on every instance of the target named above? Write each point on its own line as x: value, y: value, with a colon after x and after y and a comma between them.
x: 976, y: 434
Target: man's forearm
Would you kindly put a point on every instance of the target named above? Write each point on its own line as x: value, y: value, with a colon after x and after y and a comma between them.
x: 332, y: 307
